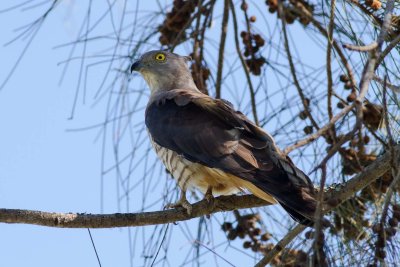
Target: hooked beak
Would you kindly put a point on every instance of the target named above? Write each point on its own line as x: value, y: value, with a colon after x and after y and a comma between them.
x: 136, y: 66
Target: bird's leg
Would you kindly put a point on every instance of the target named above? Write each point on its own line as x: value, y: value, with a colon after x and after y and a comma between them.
x: 208, y: 195
x: 182, y: 202
x: 210, y: 199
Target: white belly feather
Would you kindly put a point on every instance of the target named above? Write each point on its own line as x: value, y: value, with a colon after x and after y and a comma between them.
x: 193, y: 175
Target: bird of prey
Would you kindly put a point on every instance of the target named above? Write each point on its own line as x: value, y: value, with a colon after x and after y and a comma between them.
x: 206, y: 144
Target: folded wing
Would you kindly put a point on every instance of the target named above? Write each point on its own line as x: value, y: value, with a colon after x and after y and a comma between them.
x: 210, y: 132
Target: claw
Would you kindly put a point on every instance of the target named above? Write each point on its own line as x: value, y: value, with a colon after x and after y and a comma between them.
x: 181, y: 203
x: 210, y: 199
x: 208, y: 195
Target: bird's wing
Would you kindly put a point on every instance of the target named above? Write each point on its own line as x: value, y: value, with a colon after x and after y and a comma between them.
x: 210, y: 132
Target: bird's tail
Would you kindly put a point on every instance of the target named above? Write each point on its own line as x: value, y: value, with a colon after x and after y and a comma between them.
x: 293, y: 190
x: 298, y: 217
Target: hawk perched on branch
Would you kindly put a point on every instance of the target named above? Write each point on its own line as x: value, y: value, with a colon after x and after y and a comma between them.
x: 205, y: 143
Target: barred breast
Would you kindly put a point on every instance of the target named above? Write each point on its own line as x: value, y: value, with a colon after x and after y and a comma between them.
x: 193, y: 175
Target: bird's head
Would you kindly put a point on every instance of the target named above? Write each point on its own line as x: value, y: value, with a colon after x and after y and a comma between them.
x: 164, y: 70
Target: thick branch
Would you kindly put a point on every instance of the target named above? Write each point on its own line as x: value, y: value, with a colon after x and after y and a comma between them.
x: 341, y: 193
x: 223, y: 203
x: 366, y: 177
x: 83, y: 220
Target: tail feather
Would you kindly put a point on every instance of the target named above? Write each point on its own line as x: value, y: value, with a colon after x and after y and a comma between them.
x: 294, y: 193
x: 297, y: 216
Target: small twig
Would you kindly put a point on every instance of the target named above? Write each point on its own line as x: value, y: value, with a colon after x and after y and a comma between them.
x: 182, y: 31
x: 369, y: 68
x: 196, y: 46
x: 320, y: 132
x: 244, y: 65
x: 224, y: 30
x: 363, y: 48
x: 336, y: 147
x: 299, y: 7
x: 395, y: 168
x: 94, y: 247
x: 364, y: 9
x: 318, y: 215
x: 394, y: 88
x: 387, y: 50
x: 395, y: 172
x: 329, y: 66
x: 213, y: 251
x: 293, y: 69
x: 281, y: 245
x: 246, y: 18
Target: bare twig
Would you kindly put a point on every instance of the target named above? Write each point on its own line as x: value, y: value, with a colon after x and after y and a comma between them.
x: 293, y: 69
x: 298, y: 5
x: 329, y: 66
x: 224, y: 30
x: 83, y: 220
x: 318, y: 216
x: 365, y: 10
x: 363, y: 48
x: 394, y: 88
x: 369, y: 68
x: 320, y: 132
x: 244, y: 65
x: 395, y: 167
x: 281, y: 245
x: 336, y: 147
x: 387, y: 50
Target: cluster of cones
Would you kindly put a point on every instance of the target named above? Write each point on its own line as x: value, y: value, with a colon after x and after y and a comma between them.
x: 172, y: 29
x: 246, y: 228
x: 252, y: 43
x: 291, y: 10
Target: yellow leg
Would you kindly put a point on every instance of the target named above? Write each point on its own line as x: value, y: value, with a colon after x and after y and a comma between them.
x: 182, y: 202
x: 208, y: 195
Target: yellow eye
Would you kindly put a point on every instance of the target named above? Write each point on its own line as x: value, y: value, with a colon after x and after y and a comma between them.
x: 160, y: 57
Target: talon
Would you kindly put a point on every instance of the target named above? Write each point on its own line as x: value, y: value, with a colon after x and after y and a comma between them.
x: 208, y: 195
x: 181, y: 203
x: 186, y: 205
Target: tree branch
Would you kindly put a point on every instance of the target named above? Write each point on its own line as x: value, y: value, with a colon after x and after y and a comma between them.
x: 372, y: 172
x: 341, y: 193
x: 224, y: 30
x: 281, y: 245
x: 296, y: 82
x: 244, y: 65
x: 83, y: 220
x: 201, y: 208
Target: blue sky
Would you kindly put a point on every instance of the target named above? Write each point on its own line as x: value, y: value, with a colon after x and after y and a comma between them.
x: 43, y: 166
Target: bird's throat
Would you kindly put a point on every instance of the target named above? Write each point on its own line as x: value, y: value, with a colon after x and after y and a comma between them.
x: 169, y: 81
